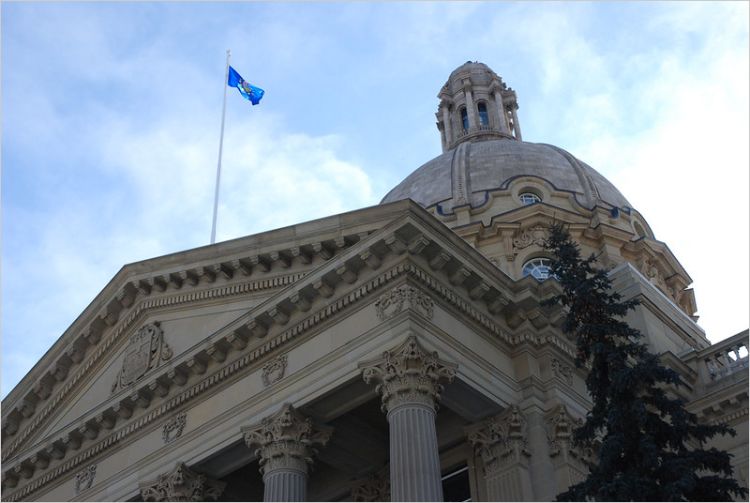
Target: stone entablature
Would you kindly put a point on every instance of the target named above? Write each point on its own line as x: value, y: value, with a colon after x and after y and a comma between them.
x: 413, y: 254
x: 96, y: 337
x: 185, y: 370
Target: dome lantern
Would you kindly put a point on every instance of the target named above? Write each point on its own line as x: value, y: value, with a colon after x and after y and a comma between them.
x: 475, y: 104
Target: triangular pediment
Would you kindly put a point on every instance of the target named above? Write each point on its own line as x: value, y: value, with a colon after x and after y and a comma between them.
x: 406, y: 242
x: 218, y: 281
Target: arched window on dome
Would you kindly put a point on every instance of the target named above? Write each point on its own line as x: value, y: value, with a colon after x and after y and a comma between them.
x: 538, y: 267
x: 464, y: 118
x: 484, y: 118
x: 528, y: 198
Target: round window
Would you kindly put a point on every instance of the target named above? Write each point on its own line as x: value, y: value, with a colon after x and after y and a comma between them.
x: 529, y: 198
x: 538, y: 267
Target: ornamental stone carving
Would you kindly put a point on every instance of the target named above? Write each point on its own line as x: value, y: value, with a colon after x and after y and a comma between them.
x: 404, y: 296
x: 376, y: 487
x: 564, y: 372
x: 286, y: 440
x: 182, y: 484
x: 409, y: 375
x: 173, y: 428
x: 560, y: 426
x: 145, y: 351
x: 274, y: 370
x: 535, y: 235
x: 85, y: 479
x: 500, y: 441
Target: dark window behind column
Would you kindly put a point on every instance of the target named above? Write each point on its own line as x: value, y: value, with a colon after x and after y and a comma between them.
x: 456, y: 484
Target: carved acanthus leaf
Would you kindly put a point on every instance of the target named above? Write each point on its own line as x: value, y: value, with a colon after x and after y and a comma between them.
x: 182, y: 484
x: 501, y: 440
x: 408, y: 374
x: 286, y: 440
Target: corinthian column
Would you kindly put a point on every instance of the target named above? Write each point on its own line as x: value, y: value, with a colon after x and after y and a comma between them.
x: 408, y: 380
x: 285, y: 443
x: 182, y: 484
x: 501, y: 443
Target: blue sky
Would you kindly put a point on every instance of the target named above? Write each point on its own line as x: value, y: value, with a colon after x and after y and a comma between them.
x: 111, y: 115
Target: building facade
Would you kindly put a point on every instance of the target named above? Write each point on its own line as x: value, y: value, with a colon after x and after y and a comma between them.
x: 398, y: 352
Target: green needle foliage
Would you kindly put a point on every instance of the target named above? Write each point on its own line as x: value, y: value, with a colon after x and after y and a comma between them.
x: 647, y: 442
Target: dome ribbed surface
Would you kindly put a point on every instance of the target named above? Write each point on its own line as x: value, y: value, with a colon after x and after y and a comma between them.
x: 492, y: 164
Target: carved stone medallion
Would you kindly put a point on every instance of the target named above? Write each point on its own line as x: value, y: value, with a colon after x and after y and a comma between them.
x: 274, y: 370
x: 393, y: 302
x: 145, y: 350
x: 535, y: 235
x: 85, y: 478
x: 173, y: 428
x: 562, y: 371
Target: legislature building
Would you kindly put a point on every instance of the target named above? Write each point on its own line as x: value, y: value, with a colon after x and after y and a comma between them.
x: 398, y: 352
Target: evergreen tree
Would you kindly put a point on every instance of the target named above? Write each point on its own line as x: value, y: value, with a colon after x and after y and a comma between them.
x: 649, y: 447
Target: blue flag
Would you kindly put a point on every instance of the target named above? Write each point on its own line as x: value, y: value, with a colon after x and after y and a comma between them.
x: 250, y: 92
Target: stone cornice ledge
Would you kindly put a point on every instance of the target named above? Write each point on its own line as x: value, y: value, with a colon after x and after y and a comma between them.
x: 258, y: 323
x: 54, y: 380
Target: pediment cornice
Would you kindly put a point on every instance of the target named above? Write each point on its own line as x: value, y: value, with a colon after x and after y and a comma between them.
x: 415, y: 245
x: 268, y: 260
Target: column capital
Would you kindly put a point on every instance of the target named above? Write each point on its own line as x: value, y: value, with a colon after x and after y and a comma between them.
x: 408, y: 374
x: 182, y: 484
x: 286, y: 440
x: 501, y: 440
x: 560, y: 424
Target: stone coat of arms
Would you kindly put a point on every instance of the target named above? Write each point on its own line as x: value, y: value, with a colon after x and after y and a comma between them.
x: 146, y: 349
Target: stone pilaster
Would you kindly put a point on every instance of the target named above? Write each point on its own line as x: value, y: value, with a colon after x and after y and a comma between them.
x: 408, y: 379
x: 516, y: 125
x: 285, y: 443
x: 447, y: 126
x: 501, y: 444
x: 502, y: 116
x: 570, y: 462
x: 182, y: 484
x: 470, y: 108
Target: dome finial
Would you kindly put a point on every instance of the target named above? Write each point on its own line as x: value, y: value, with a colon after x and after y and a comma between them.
x: 476, y: 104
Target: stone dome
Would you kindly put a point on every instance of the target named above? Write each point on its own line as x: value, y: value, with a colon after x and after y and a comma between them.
x: 475, y: 168
x: 483, y: 151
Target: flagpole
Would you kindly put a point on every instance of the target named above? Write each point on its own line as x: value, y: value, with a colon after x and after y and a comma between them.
x: 221, y: 145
